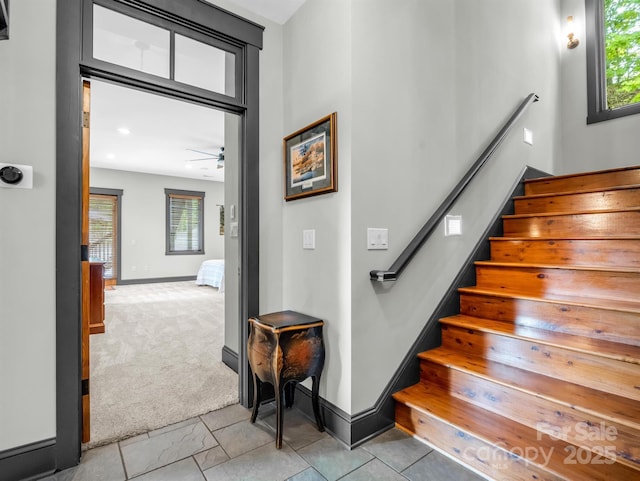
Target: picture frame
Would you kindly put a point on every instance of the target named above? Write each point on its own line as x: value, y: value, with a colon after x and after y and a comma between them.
x: 311, y: 159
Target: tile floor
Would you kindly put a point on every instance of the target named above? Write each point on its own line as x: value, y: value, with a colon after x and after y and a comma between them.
x: 224, y: 446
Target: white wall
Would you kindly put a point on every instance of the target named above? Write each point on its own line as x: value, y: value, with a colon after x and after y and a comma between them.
x: 27, y: 230
x: 603, y: 145
x: 143, y: 235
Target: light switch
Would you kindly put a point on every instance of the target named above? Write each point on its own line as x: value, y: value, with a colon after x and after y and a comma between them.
x: 233, y: 231
x: 528, y: 136
x: 309, y: 239
x: 377, y: 239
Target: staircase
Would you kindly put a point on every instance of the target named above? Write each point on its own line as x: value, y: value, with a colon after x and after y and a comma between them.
x: 538, y: 377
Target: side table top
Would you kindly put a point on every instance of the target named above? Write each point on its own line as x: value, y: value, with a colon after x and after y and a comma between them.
x: 285, y: 319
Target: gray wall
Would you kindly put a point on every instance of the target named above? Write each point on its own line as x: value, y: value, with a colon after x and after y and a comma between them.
x: 604, y: 145
x: 317, y: 81
x: 27, y: 231
x: 143, y: 223
x: 420, y: 87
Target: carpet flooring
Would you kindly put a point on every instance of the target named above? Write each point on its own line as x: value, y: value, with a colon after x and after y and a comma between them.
x: 159, y: 361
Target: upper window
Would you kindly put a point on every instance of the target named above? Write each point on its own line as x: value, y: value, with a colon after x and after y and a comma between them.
x: 185, y: 222
x: 613, y: 58
x: 159, y: 49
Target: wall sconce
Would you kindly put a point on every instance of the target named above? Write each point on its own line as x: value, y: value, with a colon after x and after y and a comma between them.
x: 573, y: 41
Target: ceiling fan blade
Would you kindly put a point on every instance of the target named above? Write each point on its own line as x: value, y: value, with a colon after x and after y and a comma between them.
x: 201, y: 152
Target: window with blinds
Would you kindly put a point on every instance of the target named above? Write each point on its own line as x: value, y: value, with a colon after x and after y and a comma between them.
x: 103, y: 210
x: 185, y: 222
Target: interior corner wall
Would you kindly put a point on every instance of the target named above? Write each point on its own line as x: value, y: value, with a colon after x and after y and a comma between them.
x: 317, y: 82
x: 603, y: 145
x: 27, y: 234
x: 143, y: 223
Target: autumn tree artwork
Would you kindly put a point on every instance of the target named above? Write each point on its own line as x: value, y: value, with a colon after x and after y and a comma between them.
x: 307, y: 161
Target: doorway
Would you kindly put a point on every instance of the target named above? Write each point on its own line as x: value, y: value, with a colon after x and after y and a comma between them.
x: 158, y: 359
x: 75, y: 59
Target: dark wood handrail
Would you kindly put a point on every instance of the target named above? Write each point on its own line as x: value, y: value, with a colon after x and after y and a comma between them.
x: 407, y: 254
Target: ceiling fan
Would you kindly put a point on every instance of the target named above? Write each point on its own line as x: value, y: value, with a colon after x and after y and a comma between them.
x: 219, y: 157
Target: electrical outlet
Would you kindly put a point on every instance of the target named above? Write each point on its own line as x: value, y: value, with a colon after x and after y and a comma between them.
x: 377, y: 239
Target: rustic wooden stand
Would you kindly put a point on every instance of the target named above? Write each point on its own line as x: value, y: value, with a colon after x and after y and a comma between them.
x: 284, y: 348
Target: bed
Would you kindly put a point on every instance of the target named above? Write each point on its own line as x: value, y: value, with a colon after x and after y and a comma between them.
x: 211, y: 273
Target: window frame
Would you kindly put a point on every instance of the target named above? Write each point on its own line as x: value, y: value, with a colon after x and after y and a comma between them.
x: 175, y: 193
x: 597, y: 110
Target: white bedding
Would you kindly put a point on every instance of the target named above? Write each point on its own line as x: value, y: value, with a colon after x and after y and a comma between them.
x: 211, y: 273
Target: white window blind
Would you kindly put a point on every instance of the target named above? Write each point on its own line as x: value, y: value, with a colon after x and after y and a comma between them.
x: 185, y: 219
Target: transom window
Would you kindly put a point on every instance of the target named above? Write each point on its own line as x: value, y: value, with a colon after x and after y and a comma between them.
x: 613, y: 58
x: 163, y: 50
x: 185, y: 222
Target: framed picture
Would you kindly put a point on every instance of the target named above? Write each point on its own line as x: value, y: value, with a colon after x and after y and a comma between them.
x: 310, y: 160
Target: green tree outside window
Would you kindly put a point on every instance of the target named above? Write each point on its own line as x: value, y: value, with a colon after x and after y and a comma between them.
x: 622, y: 51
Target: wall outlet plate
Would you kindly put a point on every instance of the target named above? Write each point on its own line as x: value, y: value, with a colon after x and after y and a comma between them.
x: 377, y: 239
x: 527, y: 136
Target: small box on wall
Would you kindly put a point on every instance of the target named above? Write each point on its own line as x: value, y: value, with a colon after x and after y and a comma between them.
x: 4, y: 19
x: 16, y: 176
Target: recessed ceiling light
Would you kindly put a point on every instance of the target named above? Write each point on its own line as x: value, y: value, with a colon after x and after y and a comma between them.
x: 124, y: 130
x: 111, y: 156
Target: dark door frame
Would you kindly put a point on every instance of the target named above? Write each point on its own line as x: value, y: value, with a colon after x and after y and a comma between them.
x: 207, y: 20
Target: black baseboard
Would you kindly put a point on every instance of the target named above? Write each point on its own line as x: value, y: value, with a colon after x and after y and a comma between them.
x: 31, y: 461
x: 336, y: 421
x: 369, y: 423
x: 230, y: 358
x: 354, y: 430
x: 154, y: 280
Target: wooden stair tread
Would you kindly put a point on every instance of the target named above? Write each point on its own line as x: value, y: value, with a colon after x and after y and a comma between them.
x: 617, y: 409
x: 559, y: 214
x: 551, y: 336
x: 594, y: 302
x: 608, y: 349
x: 566, y: 238
x: 511, y: 436
x: 579, y: 174
x: 573, y: 192
x: 628, y: 269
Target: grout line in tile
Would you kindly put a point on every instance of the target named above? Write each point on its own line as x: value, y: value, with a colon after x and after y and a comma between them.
x: 361, y: 466
x: 124, y: 466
